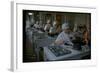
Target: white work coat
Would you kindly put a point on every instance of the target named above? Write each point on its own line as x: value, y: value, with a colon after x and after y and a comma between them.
x: 64, y: 37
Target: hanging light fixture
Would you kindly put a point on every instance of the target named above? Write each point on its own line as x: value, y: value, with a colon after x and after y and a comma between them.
x: 30, y: 13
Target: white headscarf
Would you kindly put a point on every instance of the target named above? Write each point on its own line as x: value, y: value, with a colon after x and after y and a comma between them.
x: 54, y: 23
x: 65, y: 26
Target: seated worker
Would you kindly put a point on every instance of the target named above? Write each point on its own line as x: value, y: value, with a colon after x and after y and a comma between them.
x: 47, y: 26
x: 64, y: 38
x: 37, y: 24
x: 81, y: 37
x: 86, y: 35
x: 83, y: 34
x: 41, y: 25
x: 55, y: 29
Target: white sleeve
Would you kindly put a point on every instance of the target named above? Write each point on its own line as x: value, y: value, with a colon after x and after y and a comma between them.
x: 59, y: 37
x: 45, y: 27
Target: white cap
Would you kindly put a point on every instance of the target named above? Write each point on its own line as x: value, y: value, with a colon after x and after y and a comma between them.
x: 65, y: 26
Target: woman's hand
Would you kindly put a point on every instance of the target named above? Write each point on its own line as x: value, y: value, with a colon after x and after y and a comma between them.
x: 60, y: 42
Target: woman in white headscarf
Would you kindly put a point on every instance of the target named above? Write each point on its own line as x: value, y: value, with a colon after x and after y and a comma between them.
x: 47, y: 26
x: 55, y: 29
x: 64, y: 37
